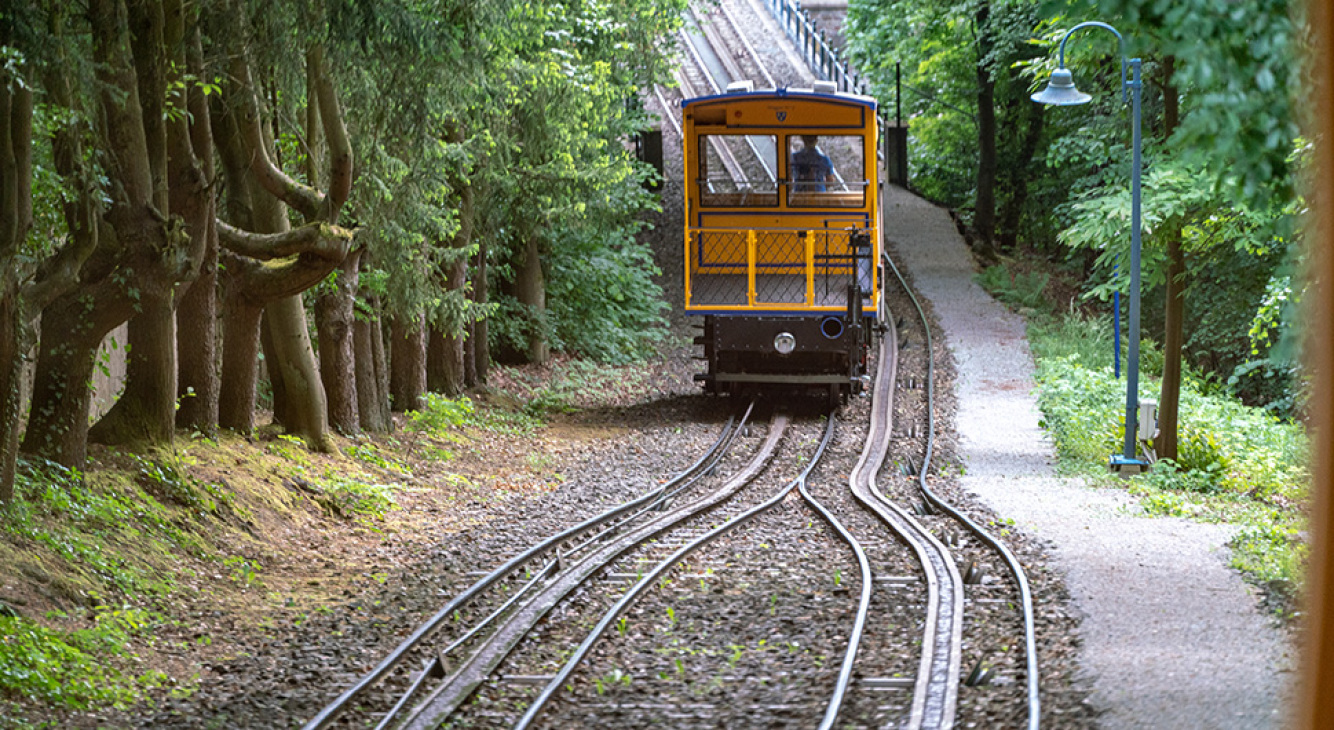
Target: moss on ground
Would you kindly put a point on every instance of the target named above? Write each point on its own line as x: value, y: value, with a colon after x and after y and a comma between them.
x: 101, y: 570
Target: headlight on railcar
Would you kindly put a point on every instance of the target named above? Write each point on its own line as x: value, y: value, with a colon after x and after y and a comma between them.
x: 785, y: 343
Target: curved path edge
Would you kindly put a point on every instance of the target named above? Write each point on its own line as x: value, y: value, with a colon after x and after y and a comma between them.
x: 1171, y: 636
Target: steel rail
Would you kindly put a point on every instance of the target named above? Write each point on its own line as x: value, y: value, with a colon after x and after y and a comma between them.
x: 1016, y: 569
x: 936, y: 690
x: 764, y: 71
x: 331, y: 711
x: 450, y: 694
x: 650, y: 578
x: 709, y: 30
x: 709, y: 37
x: 667, y: 109
x: 730, y: 163
x: 736, y: 28
x: 863, y: 604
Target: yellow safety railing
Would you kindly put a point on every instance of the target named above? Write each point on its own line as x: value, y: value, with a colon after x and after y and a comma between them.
x: 775, y: 269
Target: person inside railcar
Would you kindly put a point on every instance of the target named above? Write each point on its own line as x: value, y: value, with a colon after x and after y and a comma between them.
x: 811, y: 167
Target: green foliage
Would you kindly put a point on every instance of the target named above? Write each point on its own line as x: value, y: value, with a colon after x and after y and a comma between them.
x: 356, y: 499
x: 1081, y: 409
x: 291, y: 448
x: 1240, y: 72
x: 76, y: 669
x: 168, y: 480
x: 244, y: 571
x: 943, y: 49
x: 74, y: 519
x: 560, y: 177
x: 602, y: 298
x: 369, y: 453
x: 1023, y: 290
x: 1273, y: 553
x: 1246, y: 463
x: 440, y: 415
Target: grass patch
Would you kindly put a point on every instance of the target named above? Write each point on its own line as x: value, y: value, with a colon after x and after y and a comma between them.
x: 83, y: 522
x: 237, y: 523
x: 71, y: 668
x: 1235, y: 464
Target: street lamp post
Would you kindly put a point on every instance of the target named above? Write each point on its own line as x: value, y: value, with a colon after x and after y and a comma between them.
x: 1061, y: 91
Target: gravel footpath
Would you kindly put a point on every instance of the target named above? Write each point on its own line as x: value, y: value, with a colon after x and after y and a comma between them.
x: 1171, y: 637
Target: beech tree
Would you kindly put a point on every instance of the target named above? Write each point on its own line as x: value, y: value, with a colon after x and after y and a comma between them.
x: 269, y: 263
x: 976, y: 134
x: 560, y: 180
x: 146, y: 410
x: 204, y: 156
x: 1228, y: 130
x: 140, y: 255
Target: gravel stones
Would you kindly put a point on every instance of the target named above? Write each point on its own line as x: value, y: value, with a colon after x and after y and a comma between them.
x: 1172, y: 638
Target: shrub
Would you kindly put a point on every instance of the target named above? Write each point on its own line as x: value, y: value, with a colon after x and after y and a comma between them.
x: 1233, y: 461
x: 72, y: 668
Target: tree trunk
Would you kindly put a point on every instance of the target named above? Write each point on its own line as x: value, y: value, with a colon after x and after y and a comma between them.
x: 58, y: 424
x: 446, y: 371
x: 1173, y: 340
x: 435, y: 360
x: 333, y: 324
x: 530, y: 289
x: 407, y: 363
x: 240, y: 362
x: 11, y: 379
x: 1174, y: 311
x: 197, y: 312
x: 478, y: 360
x: 372, y: 389
x: 376, y: 415
x: 1013, y: 210
x: 277, y: 388
x: 293, y: 260
x: 307, y: 410
x: 197, y: 387
x: 146, y: 410
x: 144, y: 264
x: 470, y: 357
x: 15, y: 220
x: 984, y: 216
x: 445, y: 352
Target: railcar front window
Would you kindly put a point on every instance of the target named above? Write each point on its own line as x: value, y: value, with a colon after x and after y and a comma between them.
x: 737, y: 170
x: 826, y: 171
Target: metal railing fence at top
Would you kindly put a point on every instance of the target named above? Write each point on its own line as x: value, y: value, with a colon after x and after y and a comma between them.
x: 819, y: 54
x: 824, y: 60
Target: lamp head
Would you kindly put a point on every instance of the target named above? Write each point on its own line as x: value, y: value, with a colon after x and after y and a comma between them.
x: 1061, y: 90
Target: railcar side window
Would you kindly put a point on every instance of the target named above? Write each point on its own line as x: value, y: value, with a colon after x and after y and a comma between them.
x: 738, y: 170
x: 826, y: 171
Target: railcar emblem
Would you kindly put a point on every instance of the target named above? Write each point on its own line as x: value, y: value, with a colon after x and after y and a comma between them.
x: 782, y: 116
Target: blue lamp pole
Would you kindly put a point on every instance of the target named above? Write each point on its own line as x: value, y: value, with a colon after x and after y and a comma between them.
x: 1061, y: 91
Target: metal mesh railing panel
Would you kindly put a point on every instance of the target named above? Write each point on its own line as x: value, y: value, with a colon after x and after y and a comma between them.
x: 780, y: 267
x: 718, y: 268
x: 791, y: 268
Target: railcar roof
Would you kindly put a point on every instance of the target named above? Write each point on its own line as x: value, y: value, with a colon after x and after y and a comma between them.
x: 785, y: 93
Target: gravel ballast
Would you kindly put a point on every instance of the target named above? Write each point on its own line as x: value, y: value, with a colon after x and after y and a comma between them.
x: 1171, y: 636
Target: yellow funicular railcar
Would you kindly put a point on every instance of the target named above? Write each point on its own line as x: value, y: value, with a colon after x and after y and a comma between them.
x: 782, y: 238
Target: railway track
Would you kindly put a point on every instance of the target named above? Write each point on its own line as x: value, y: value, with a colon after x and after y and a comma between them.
x: 594, y: 571
x: 603, y: 623
x: 971, y: 576
x: 496, y: 592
